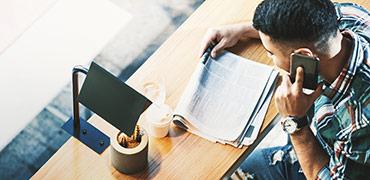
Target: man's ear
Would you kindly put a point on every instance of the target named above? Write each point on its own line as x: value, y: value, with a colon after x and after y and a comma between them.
x: 304, y: 51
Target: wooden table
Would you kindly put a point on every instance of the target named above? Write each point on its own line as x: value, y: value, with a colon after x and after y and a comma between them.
x: 180, y: 155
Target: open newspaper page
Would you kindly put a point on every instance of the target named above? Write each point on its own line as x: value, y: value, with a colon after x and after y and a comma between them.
x: 222, y: 96
x: 259, y: 114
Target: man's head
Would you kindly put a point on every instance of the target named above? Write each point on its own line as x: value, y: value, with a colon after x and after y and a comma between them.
x: 292, y: 24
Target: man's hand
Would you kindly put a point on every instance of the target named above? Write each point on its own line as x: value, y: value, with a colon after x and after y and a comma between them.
x: 290, y: 99
x: 226, y: 36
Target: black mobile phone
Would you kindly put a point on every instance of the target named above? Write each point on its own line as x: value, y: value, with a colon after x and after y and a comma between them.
x: 310, y: 65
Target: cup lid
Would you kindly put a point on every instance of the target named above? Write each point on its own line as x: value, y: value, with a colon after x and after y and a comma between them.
x: 159, y: 114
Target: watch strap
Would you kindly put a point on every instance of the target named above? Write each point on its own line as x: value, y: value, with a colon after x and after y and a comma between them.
x: 301, y: 122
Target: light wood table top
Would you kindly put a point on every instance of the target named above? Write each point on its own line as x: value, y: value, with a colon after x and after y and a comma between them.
x: 180, y: 155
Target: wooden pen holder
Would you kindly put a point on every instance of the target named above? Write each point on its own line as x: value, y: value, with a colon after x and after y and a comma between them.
x: 130, y: 160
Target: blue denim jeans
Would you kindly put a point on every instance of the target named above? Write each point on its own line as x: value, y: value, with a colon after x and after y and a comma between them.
x: 271, y: 163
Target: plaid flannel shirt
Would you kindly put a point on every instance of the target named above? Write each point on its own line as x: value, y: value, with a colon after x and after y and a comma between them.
x: 341, y: 121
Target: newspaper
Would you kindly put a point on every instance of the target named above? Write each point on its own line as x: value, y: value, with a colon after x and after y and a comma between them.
x: 226, y: 99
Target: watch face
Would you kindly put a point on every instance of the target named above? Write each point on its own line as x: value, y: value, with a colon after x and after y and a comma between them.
x: 290, y: 126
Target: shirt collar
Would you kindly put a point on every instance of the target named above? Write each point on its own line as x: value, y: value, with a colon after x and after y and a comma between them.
x: 339, y: 88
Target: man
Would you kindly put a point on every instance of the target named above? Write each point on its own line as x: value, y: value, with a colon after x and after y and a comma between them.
x: 336, y: 142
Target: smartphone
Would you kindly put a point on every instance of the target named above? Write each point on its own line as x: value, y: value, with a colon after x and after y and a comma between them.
x: 310, y: 65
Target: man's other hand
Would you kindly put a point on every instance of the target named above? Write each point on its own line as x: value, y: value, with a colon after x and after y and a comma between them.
x: 225, y: 36
x: 290, y: 99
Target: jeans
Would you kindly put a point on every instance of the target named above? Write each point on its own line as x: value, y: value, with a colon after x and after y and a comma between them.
x: 271, y: 163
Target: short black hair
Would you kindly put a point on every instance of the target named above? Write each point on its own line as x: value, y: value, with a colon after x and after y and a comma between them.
x: 292, y: 21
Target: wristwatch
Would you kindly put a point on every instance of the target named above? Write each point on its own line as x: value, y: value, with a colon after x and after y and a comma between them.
x: 292, y: 124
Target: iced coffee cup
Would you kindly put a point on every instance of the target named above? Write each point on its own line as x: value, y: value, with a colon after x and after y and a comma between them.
x: 154, y: 87
x: 159, y: 117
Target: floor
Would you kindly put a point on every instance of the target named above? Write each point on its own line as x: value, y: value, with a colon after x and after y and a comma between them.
x: 153, y: 22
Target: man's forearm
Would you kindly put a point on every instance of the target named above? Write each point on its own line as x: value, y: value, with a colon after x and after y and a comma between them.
x: 249, y: 30
x: 311, y: 156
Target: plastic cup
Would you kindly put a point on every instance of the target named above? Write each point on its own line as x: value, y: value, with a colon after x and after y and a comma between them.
x: 154, y: 87
x: 155, y: 91
x: 159, y: 118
